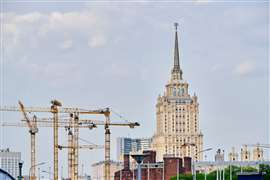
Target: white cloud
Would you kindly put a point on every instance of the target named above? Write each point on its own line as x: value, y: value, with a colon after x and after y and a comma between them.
x: 85, y: 23
x: 79, y: 21
x: 244, y: 68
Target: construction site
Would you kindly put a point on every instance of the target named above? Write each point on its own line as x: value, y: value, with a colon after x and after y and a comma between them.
x: 72, y: 124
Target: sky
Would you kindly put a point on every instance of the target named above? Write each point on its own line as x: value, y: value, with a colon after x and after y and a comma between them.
x: 95, y: 54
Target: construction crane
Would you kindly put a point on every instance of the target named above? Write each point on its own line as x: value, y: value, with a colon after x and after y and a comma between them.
x: 73, y: 146
x: 70, y: 146
x: 75, y: 122
x: 106, y: 125
x: 72, y: 165
x: 41, y: 125
x: 55, y: 109
x: 46, y: 124
x: 32, y: 125
x: 258, y: 145
x: 90, y: 147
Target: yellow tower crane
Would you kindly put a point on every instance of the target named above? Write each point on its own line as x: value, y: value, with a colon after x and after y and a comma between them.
x: 71, y: 160
x: 258, y: 145
x: 75, y: 122
x: 106, y: 125
x: 50, y: 125
x: 55, y: 109
x: 32, y: 125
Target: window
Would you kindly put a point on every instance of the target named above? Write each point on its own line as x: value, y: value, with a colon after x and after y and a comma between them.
x: 174, y: 92
x: 180, y: 92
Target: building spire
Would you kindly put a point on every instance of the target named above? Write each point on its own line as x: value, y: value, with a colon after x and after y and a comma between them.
x: 176, y: 71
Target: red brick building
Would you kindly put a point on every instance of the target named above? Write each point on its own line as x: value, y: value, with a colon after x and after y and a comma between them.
x: 155, y: 170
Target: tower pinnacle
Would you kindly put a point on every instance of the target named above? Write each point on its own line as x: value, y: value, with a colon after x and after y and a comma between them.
x: 176, y: 71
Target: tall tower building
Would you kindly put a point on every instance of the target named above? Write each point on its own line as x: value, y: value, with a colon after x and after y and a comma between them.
x: 177, y: 113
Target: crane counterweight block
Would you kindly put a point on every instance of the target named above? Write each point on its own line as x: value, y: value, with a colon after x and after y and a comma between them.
x: 56, y: 103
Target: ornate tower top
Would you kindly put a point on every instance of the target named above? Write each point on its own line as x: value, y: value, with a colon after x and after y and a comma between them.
x: 176, y: 71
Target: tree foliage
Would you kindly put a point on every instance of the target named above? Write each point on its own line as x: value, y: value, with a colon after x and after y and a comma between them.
x: 235, y: 170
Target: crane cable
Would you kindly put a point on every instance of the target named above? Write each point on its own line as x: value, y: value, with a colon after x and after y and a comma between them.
x: 119, y: 115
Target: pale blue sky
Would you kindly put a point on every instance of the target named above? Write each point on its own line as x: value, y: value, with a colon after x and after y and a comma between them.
x: 120, y: 55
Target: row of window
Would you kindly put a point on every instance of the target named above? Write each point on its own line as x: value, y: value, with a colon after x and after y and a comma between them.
x: 177, y: 151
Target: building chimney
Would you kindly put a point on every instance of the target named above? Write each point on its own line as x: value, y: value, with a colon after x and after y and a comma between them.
x: 126, y: 161
x: 187, y: 164
x: 151, y: 158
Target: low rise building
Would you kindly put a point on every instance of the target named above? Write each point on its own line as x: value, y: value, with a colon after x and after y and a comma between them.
x: 153, y: 170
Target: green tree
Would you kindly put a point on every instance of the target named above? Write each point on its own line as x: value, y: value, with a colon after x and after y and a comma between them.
x: 265, y: 168
x: 212, y: 175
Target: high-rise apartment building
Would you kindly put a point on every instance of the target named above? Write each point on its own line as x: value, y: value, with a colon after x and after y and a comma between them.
x: 177, y: 113
x: 9, y: 161
x: 126, y: 145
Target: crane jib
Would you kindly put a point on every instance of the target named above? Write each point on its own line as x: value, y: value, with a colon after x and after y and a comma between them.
x: 60, y: 110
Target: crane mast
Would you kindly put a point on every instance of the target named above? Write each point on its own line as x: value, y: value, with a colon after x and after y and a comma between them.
x: 54, y: 110
x: 107, y: 147
x: 76, y: 145
x: 32, y: 125
x: 70, y: 150
x: 33, y: 149
x: 74, y: 123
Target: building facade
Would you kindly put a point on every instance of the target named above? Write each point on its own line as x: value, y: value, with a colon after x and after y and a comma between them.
x: 177, y: 117
x: 233, y: 155
x: 153, y: 170
x: 127, y: 145
x: 245, y: 154
x: 9, y: 161
x: 219, y: 157
x: 258, y: 153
